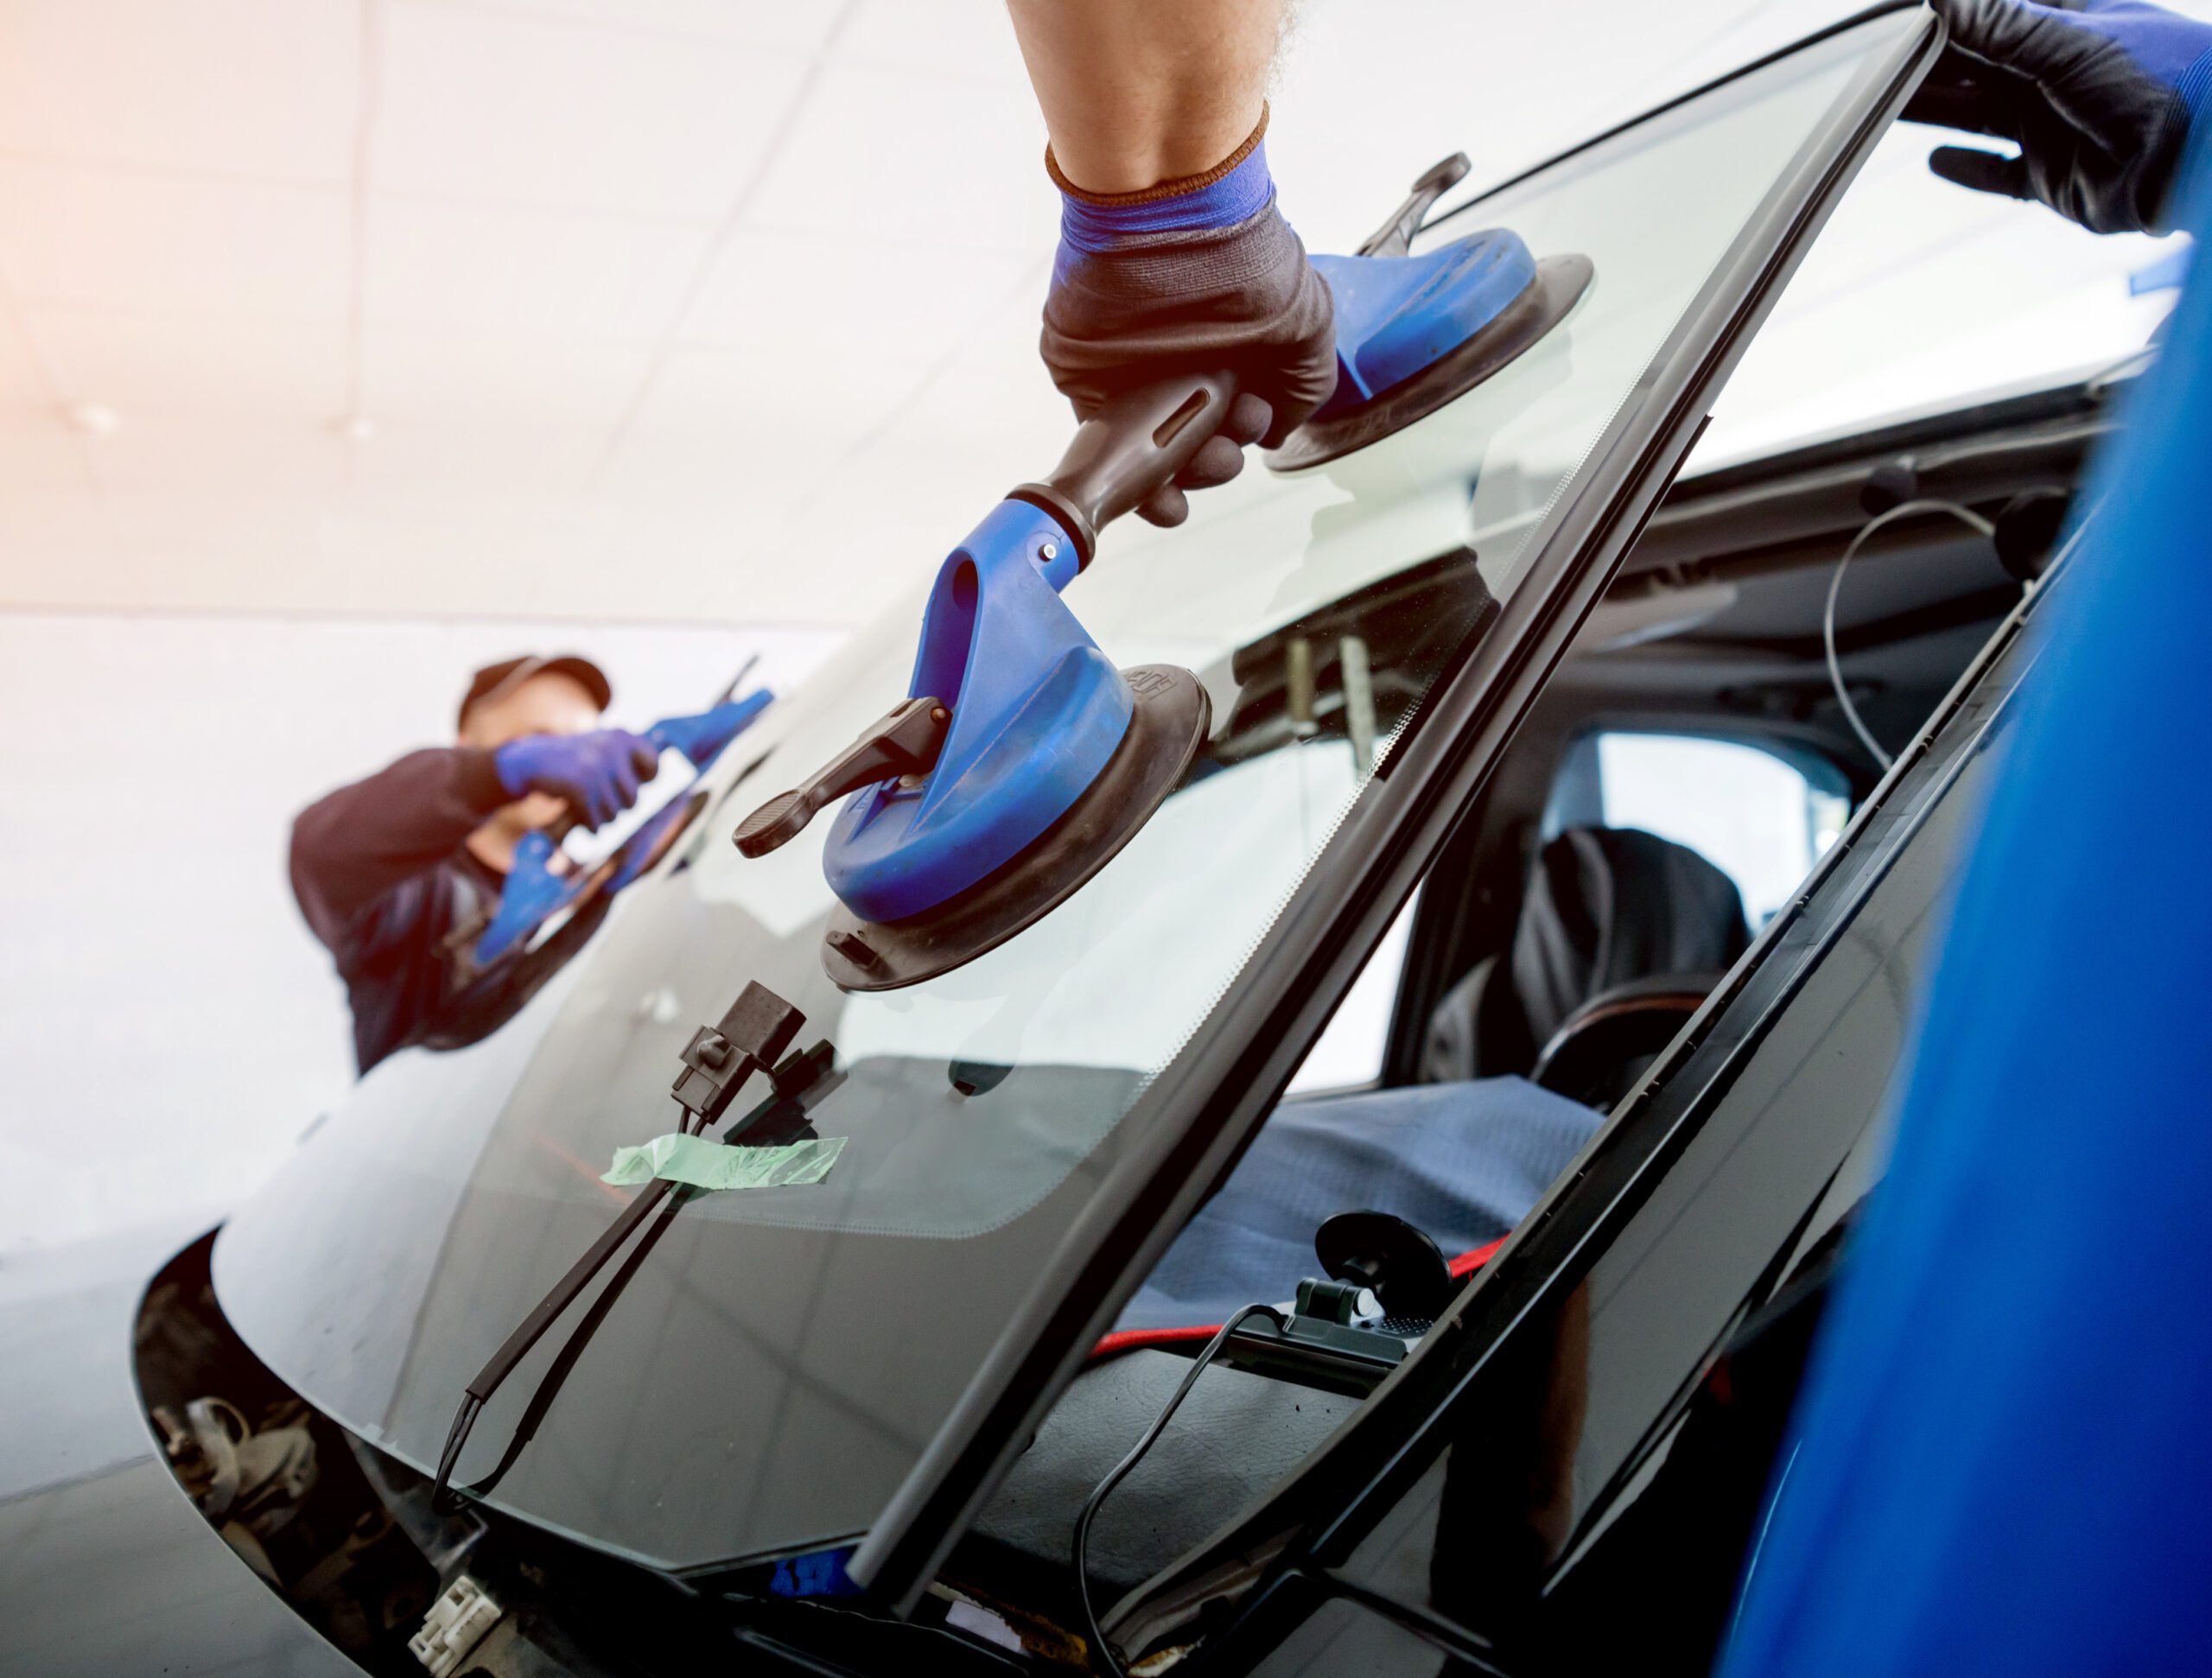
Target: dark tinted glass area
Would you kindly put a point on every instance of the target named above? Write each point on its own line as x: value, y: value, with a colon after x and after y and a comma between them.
x: 1598, y: 1480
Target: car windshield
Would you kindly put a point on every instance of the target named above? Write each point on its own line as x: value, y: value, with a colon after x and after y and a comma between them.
x: 775, y: 1366
x: 1893, y: 315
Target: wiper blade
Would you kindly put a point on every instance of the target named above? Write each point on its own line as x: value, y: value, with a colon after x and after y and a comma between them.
x: 801, y: 1081
x: 759, y: 1026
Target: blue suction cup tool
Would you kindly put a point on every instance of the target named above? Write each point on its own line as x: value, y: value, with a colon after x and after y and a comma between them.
x: 1414, y: 333
x: 1022, y: 760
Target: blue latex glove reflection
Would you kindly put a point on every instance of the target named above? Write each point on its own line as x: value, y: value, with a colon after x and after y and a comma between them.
x: 533, y: 891
x: 2099, y: 95
x: 598, y: 774
x: 702, y: 738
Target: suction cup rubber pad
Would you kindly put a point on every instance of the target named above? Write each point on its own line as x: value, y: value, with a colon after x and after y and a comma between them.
x: 1550, y: 298
x: 1171, y: 721
x: 1400, y: 1261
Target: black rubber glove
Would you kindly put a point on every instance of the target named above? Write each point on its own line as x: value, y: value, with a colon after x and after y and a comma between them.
x: 2098, y: 94
x: 1201, y: 274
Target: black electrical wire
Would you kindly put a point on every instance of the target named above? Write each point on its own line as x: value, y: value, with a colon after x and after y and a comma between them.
x: 1120, y: 1471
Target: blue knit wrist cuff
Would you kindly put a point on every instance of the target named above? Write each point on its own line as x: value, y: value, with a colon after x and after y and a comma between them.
x: 1093, y: 225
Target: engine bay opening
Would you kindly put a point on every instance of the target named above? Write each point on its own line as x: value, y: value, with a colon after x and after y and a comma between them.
x: 279, y: 1481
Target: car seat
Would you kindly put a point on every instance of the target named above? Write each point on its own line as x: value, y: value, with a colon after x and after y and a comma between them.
x: 1621, y: 934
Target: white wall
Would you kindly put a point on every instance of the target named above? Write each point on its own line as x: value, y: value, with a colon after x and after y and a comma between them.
x: 167, y: 1025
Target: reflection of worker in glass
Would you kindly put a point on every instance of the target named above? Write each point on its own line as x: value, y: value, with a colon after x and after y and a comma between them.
x: 389, y: 870
x: 1173, y: 256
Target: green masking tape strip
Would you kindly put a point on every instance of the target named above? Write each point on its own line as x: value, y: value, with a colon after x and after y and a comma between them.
x: 706, y: 1165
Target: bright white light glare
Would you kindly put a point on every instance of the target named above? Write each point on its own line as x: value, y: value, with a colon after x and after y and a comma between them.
x: 1750, y: 814
x: 93, y: 419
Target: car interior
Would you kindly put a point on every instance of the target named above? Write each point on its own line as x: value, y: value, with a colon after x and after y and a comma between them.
x: 1574, y: 927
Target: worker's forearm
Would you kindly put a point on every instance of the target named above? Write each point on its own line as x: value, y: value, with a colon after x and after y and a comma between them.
x: 353, y: 845
x: 1136, y: 92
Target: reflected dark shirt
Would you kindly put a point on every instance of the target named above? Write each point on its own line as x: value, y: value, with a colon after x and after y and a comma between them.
x: 382, y: 875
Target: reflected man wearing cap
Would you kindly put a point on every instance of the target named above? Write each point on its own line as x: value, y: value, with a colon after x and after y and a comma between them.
x: 388, y: 870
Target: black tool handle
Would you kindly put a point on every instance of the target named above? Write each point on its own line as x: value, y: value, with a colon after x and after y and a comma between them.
x: 1128, y: 449
x: 1395, y: 238
x: 905, y: 740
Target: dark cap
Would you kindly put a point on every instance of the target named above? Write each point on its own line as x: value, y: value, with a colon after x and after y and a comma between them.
x: 496, y: 681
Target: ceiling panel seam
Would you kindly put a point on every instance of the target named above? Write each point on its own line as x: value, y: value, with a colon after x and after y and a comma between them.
x: 88, y: 163
x: 157, y: 612
x: 810, y: 79
x: 1029, y: 285
x: 56, y: 399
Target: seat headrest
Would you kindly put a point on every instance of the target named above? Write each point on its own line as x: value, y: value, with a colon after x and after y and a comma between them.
x: 1606, y: 907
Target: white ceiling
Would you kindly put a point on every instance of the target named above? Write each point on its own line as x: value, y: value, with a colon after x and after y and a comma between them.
x: 639, y: 308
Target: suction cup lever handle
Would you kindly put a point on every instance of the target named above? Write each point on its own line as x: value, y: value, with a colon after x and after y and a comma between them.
x: 1395, y: 238
x: 905, y: 742
x: 1128, y: 449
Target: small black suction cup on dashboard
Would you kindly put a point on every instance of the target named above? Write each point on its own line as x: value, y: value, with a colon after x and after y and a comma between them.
x: 1400, y: 1264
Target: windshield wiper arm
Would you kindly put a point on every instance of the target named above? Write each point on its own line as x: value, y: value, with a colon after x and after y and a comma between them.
x: 759, y: 1026
x: 801, y: 1082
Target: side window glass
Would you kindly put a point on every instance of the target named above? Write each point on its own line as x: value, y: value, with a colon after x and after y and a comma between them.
x: 1349, y: 1051
x: 1762, y: 817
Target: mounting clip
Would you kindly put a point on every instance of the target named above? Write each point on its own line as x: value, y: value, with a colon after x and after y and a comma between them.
x: 751, y: 1037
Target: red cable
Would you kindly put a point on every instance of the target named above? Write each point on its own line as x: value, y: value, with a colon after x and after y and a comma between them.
x: 1467, y: 1263
x: 1135, y: 1340
x: 1138, y: 1339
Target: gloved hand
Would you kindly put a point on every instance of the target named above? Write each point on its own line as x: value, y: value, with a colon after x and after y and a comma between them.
x: 1201, y: 274
x: 702, y: 738
x: 2098, y: 94
x: 598, y: 773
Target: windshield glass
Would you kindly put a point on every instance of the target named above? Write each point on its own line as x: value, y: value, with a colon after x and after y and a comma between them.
x: 774, y: 1367
x: 1893, y: 314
